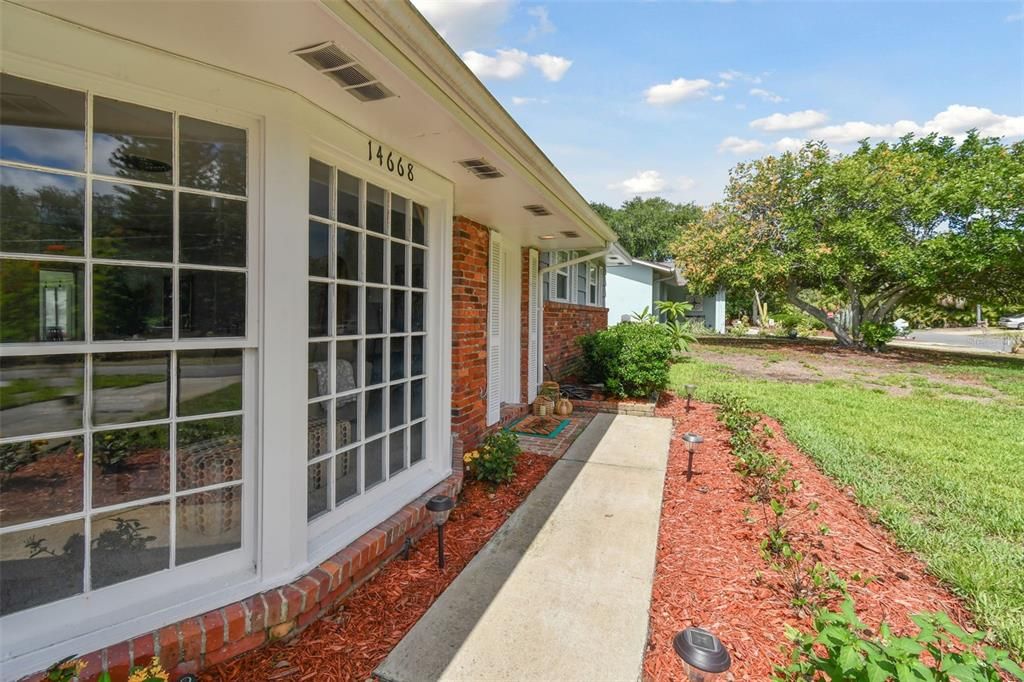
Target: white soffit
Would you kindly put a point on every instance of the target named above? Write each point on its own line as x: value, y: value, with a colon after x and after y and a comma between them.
x: 257, y: 39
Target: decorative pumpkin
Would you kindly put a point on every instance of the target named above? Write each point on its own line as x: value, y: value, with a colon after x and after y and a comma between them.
x: 563, y: 407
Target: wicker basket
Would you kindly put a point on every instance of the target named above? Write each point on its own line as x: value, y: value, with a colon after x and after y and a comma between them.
x: 543, y: 406
x: 549, y: 389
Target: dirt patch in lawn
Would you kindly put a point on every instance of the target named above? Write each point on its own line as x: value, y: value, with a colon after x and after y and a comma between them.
x: 351, y: 642
x: 709, y: 571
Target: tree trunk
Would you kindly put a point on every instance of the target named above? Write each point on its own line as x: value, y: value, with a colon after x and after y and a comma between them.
x: 844, y: 337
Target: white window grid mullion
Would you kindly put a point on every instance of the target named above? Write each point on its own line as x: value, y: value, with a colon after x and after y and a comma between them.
x: 42, y: 523
x: 172, y: 446
x: 87, y: 472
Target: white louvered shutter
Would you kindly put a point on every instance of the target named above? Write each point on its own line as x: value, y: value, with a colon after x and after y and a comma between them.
x: 494, y: 313
x: 532, y: 332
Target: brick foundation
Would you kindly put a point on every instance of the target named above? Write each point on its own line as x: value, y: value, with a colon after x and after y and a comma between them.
x: 563, y: 324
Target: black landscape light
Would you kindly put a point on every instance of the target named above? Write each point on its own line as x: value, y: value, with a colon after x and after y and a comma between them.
x: 440, y: 506
x: 703, y: 655
x: 693, y: 441
x: 690, y: 388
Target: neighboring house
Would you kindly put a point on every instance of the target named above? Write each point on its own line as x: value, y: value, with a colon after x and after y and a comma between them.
x: 639, y: 284
x: 267, y: 269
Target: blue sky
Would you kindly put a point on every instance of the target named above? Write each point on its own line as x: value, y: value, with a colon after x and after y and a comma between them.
x: 662, y: 98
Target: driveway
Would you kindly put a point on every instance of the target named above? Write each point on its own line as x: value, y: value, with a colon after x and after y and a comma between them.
x: 990, y: 340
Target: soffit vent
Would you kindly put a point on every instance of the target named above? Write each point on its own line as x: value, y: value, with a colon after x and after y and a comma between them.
x: 344, y: 71
x: 570, y: 234
x: 537, y: 210
x: 481, y: 169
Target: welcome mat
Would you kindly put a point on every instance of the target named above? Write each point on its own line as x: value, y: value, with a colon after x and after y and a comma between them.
x: 541, y: 427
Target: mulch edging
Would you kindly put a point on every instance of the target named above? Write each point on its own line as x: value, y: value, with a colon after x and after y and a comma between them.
x: 351, y: 642
x: 708, y: 555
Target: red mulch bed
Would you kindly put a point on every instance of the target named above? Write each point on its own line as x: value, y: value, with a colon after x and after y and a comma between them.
x: 708, y: 556
x: 351, y: 642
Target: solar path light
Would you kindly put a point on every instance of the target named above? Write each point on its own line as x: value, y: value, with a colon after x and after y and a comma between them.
x: 693, y: 441
x: 690, y: 388
x: 440, y: 506
x: 702, y: 654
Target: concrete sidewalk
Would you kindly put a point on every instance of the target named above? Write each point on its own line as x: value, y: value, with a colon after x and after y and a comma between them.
x: 562, y: 590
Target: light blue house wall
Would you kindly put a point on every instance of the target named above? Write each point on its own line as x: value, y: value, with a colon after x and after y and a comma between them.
x: 631, y: 288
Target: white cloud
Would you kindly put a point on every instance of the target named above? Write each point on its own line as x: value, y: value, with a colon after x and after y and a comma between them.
x: 543, y: 25
x: 644, y: 182
x: 507, y: 64
x: 465, y: 22
x: 684, y: 183
x: 737, y: 145
x: 733, y: 75
x: 954, y: 121
x: 678, y: 90
x: 1019, y: 16
x: 767, y: 95
x: 523, y: 101
x: 552, y: 67
x: 729, y: 75
x: 718, y: 98
x: 808, y: 118
x: 788, y: 144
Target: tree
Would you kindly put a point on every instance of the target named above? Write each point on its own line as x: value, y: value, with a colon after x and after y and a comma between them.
x: 647, y: 227
x: 888, y: 222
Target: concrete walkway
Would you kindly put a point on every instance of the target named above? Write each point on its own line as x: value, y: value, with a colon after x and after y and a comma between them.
x: 561, y: 591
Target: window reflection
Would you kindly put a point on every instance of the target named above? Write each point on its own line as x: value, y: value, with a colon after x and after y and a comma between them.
x: 348, y: 199
x: 419, y: 223
x: 208, y: 524
x: 373, y: 463
x: 346, y: 475
x: 209, y: 381
x: 129, y: 543
x: 41, y: 212
x: 209, y: 451
x: 348, y: 254
x: 396, y: 454
x: 212, y: 156
x: 40, y: 478
x: 130, y: 464
x: 416, y: 443
x: 131, y: 222
x: 212, y: 230
x: 130, y: 387
x: 376, y: 198
x: 41, y: 394
x: 42, y: 124
x: 212, y: 303
x: 316, y: 488
x: 399, y: 210
x: 131, y: 141
x: 131, y: 303
x: 41, y: 565
x: 319, y: 249
x: 319, y: 189
x: 41, y: 301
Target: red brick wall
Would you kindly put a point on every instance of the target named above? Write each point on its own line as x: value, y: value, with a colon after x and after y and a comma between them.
x: 563, y: 324
x: 470, y: 241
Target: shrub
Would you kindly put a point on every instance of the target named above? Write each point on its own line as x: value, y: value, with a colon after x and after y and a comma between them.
x: 630, y: 359
x: 495, y: 460
x: 875, y: 336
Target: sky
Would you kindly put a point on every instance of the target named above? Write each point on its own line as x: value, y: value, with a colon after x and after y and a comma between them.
x: 660, y: 98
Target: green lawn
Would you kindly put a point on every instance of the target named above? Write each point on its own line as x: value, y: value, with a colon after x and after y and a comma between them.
x: 936, y: 448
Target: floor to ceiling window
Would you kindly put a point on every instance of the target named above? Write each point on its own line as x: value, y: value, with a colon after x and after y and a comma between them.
x: 367, y: 337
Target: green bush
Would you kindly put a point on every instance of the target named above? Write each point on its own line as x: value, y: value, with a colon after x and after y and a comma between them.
x: 630, y: 359
x: 875, y: 336
x: 495, y: 460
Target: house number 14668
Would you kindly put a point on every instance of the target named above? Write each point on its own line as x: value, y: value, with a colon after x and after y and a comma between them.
x: 394, y: 164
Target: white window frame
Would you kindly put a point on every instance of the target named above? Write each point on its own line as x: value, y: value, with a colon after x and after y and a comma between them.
x: 567, y: 272
x: 113, y: 608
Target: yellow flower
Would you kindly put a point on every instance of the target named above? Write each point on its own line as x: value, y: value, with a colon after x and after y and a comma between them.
x: 153, y: 671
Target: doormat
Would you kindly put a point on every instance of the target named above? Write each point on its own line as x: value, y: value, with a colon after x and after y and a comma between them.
x: 542, y: 427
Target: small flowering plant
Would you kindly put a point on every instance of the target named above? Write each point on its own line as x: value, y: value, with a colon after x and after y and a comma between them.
x: 153, y: 672
x: 495, y: 460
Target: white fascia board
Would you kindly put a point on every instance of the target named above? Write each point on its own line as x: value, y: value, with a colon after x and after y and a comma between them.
x: 399, y: 32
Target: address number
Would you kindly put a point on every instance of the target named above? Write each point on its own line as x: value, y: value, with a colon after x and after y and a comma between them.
x: 394, y: 164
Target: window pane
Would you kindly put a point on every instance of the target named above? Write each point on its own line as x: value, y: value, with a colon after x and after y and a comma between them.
x: 317, y: 372
x: 347, y: 365
x: 212, y: 230
x: 132, y: 223
x: 129, y: 387
x: 418, y: 258
x: 397, y: 412
x: 374, y: 310
x: 40, y: 394
x: 348, y: 199
x: 348, y: 310
x: 373, y: 463
x: 374, y: 361
x: 129, y: 543
x: 208, y: 524
x: 41, y: 479
x: 319, y: 189
x: 417, y: 311
x: 319, y: 249
x: 348, y: 254
x: 396, y: 454
x: 398, y: 358
x: 346, y: 475
x: 374, y: 260
x: 399, y: 210
x: 42, y: 124
x: 317, y: 429
x: 374, y: 412
x: 212, y: 156
x: 212, y: 303
x: 416, y: 443
x: 398, y: 275
x: 41, y: 565
x: 131, y: 303
x: 346, y: 422
x: 316, y: 488
x: 561, y: 285
x: 130, y: 464
x: 318, y: 309
x: 209, y: 451
x: 130, y: 141
x: 417, y: 355
x: 209, y: 381
x: 41, y: 212
x: 419, y: 222
x: 375, y: 200
x: 397, y: 312
x: 41, y: 301
x: 416, y: 400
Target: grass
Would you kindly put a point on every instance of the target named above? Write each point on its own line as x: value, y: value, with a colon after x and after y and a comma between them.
x: 24, y: 391
x: 945, y: 474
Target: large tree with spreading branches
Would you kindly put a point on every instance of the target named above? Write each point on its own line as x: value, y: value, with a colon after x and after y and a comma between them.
x: 922, y: 217
x: 647, y: 227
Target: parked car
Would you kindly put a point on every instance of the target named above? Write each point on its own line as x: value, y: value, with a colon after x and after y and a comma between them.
x: 1012, y: 321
